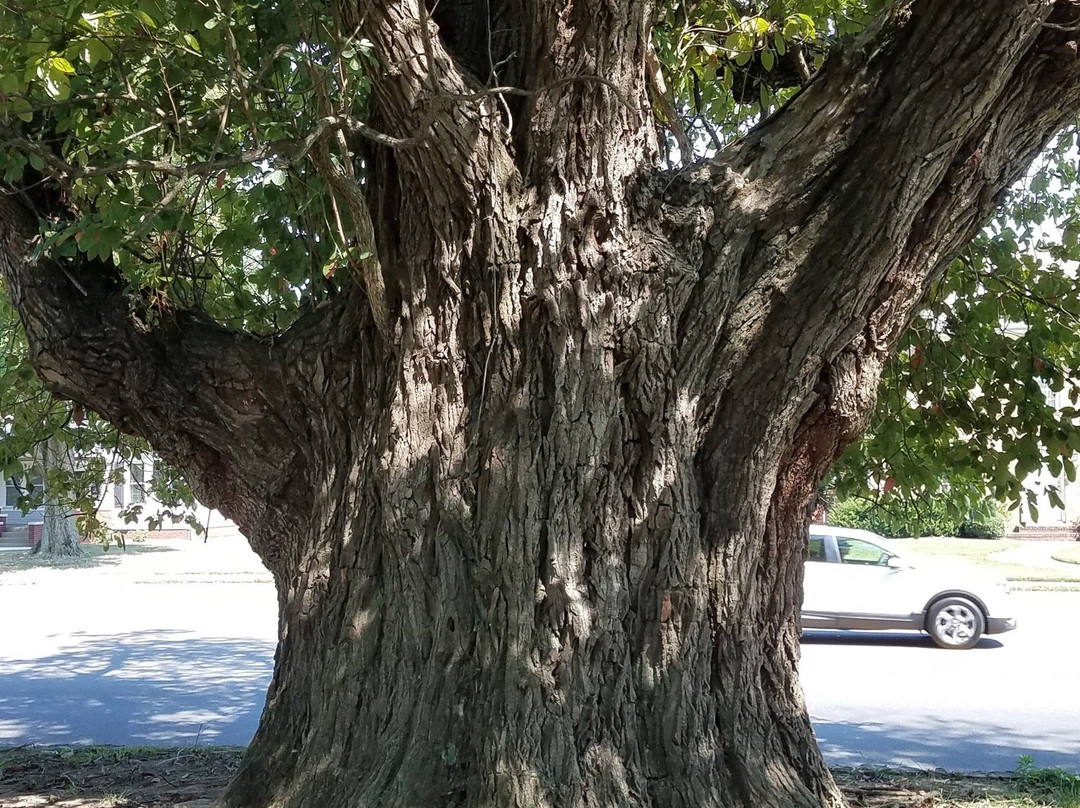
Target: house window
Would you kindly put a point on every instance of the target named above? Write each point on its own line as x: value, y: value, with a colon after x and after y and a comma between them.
x: 118, y: 490
x: 93, y: 489
x: 138, y: 493
x: 19, y: 487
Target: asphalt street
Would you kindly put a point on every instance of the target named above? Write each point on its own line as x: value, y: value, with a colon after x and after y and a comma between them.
x: 168, y: 648
x: 897, y: 699
x: 176, y: 648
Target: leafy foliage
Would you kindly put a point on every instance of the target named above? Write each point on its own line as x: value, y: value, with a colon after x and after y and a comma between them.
x: 984, y: 389
x: 732, y: 63
x: 903, y: 520
x: 178, y: 132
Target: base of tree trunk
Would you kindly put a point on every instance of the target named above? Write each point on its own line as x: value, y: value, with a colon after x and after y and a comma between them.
x: 369, y: 721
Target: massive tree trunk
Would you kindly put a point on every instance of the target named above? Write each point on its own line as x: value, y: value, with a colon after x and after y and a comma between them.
x: 534, y: 495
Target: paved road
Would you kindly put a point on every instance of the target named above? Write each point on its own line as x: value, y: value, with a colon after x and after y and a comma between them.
x: 170, y: 648
x: 899, y: 700
x: 177, y: 648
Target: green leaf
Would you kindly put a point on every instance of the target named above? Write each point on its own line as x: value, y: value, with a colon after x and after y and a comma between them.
x: 94, y: 51
x: 768, y: 59
x: 19, y: 107
x: 62, y: 65
x: 55, y: 81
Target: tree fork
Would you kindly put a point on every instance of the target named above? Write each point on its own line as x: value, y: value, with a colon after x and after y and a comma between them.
x: 542, y: 543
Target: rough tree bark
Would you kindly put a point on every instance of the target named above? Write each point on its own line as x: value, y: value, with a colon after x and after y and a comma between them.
x: 535, y: 496
x: 59, y: 534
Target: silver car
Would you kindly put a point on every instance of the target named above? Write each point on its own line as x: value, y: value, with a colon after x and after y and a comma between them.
x: 854, y: 580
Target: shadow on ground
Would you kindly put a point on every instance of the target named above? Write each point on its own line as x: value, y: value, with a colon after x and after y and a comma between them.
x: 143, y: 688
x: 933, y: 744
x: 885, y: 638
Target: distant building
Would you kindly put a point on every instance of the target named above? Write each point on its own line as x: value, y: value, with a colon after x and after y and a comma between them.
x: 128, y: 485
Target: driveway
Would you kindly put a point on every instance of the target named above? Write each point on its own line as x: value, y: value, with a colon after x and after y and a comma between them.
x: 175, y: 647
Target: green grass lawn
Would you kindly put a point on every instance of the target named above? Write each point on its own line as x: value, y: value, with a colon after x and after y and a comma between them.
x: 94, y: 555
x: 985, y: 554
x: 1070, y: 555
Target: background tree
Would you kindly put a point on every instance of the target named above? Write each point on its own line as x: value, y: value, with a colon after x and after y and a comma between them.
x: 59, y: 532
x: 524, y: 423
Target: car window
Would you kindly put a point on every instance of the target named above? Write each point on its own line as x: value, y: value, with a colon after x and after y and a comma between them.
x: 857, y: 551
x: 816, y: 550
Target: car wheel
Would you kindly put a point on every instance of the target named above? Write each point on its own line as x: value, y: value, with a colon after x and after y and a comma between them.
x: 955, y: 623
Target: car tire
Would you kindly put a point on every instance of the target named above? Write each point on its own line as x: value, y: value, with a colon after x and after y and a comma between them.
x: 955, y: 623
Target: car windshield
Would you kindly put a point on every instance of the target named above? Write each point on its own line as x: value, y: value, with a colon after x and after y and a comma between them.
x: 857, y: 551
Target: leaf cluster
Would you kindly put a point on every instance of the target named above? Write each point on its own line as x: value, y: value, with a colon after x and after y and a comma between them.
x: 729, y: 64
x: 982, y: 395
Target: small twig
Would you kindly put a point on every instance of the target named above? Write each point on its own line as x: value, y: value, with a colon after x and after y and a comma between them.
x: 667, y: 106
x: 75, y: 283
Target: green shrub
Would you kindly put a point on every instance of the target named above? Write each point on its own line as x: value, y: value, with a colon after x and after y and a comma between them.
x: 986, y: 522
x: 897, y: 520
x: 859, y: 513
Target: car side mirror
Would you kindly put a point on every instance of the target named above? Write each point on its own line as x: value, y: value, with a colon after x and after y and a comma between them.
x: 896, y: 563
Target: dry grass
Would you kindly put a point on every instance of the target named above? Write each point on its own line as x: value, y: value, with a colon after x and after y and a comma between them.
x: 114, y: 777
x: 885, y: 788
x: 153, y: 777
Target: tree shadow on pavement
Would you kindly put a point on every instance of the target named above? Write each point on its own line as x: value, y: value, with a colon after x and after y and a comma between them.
x: 157, y: 688
x: 945, y: 743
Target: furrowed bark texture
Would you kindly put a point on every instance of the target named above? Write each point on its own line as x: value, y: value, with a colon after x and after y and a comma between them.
x: 538, y: 538
x: 59, y: 533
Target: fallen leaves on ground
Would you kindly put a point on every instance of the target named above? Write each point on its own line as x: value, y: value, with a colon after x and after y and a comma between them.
x: 154, y: 777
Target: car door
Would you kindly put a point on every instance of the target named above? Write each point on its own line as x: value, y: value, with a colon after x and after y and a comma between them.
x: 851, y: 580
x: 866, y: 584
x: 819, y: 574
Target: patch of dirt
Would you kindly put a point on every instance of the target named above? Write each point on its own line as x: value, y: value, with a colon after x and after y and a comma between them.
x: 153, y: 777
x: 114, y: 777
x: 892, y: 788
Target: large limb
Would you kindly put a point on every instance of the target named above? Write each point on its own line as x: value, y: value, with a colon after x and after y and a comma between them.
x: 225, y: 406
x: 822, y: 231
x: 834, y: 217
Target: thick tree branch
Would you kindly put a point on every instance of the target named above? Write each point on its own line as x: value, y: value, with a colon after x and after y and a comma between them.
x: 416, y: 90
x: 220, y: 404
x: 858, y: 193
x: 827, y: 225
x: 586, y: 126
